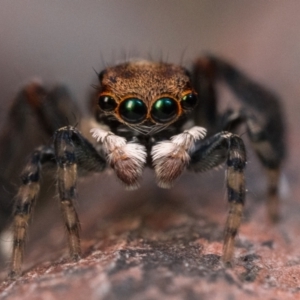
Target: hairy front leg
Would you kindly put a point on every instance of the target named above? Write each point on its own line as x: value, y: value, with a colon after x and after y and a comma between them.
x: 24, y: 204
x: 265, y: 124
x: 67, y: 179
x: 73, y: 152
x: 209, y: 154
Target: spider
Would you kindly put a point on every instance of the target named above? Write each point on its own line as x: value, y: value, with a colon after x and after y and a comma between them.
x: 157, y: 115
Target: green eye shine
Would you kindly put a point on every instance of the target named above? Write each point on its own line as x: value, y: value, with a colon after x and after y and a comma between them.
x: 164, y: 110
x: 189, y: 101
x: 107, y: 103
x: 133, y: 110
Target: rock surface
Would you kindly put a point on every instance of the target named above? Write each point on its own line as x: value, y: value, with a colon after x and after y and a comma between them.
x: 160, y: 244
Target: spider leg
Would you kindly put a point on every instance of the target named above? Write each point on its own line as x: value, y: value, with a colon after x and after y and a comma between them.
x: 266, y: 151
x: 24, y: 203
x: 262, y: 113
x: 33, y: 117
x: 265, y: 126
x: 204, y: 81
x: 54, y: 108
x: 211, y: 153
x: 271, y: 159
x: 72, y: 153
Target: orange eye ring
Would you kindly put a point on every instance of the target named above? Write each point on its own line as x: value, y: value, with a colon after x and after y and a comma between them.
x: 133, y: 110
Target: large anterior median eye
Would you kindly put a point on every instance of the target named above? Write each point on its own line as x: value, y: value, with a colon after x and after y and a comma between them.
x: 164, y: 110
x: 189, y: 101
x: 133, y: 110
x: 107, y: 103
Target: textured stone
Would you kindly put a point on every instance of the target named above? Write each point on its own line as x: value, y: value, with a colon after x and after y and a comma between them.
x: 160, y: 244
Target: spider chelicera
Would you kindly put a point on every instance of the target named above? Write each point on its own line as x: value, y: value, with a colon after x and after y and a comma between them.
x: 161, y: 116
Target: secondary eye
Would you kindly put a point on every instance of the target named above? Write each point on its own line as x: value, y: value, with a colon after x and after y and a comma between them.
x: 164, y: 110
x: 189, y: 101
x: 133, y: 110
x: 107, y: 103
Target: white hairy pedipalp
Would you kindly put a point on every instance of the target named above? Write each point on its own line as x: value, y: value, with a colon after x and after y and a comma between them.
x: 171, y: 157
x: 127, y: 159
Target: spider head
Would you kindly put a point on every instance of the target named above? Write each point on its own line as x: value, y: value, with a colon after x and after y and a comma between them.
x: 146, y: 95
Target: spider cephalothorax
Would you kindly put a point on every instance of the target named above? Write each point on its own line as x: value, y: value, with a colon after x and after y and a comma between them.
x: 146, y: 95
x: 151, y: 114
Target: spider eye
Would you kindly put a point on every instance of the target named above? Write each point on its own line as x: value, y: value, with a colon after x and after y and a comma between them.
x: 107, y: 103
x: 189, y: 101
x: 164, y: 110
x: 133, y: 110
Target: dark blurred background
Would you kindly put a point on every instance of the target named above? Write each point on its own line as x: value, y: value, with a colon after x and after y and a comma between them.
x: 64, y: 40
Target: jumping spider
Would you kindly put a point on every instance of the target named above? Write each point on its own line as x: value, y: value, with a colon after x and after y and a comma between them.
x: 149, y: 114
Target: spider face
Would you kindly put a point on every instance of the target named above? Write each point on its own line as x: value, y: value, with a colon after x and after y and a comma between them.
x: 142, y: 92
